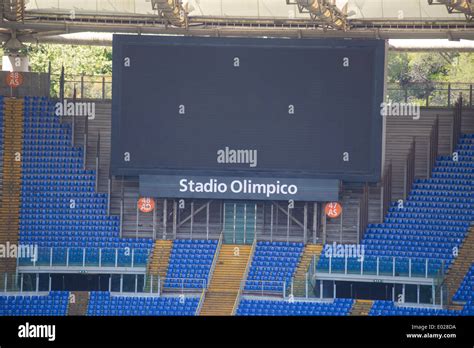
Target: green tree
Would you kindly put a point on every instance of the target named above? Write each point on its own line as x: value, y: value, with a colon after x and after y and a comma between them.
x: 77, y: 60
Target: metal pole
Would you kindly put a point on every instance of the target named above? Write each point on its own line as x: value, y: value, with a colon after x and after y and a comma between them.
x: 255, y: 224
x: 449, y: 95
x: 305, y: 221
x: 358, y: 223
x: 97, y: 163
x: 470, y: 96
x: 207, y: 220
x: 306, y: 284
x: 324, y: 225
x: 121, y: 216
x: 315, y: 222
x: 74, y: 121
x: 287, y: 224
x: 175, y: 217
x: 245, y: 222
x: 154, y: 224
x: 271, y: 222
x: 340, y: 235
x: 234, y: 217
x: 109, y: 191
x: 137, y: 215
x: 192, y: 219
x: 165, y: 213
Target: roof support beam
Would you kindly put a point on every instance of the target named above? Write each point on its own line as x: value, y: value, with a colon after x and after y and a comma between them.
x: 325, y: 11
x: 457, y: 6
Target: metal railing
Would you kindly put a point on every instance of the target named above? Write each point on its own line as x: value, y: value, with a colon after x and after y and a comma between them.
x: 431, y: 94
x: 202, y: 298
x: 87, y: 257
x: 263, y: 287
x: 381, y: 266
x: 183, y: 284
x: 21, y: 283
x: 97, y: 87
x: 247, y: 269
x: 216, y: 257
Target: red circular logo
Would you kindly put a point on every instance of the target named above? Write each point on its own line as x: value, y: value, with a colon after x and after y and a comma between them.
x: 14, y: 79
x: 146, y: 205
x: 333, y: 209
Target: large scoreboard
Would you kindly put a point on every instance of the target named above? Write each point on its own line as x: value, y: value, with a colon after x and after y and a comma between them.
x: 276, y: 108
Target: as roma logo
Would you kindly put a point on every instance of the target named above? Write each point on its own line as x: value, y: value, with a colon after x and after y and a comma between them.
x: 333, y: 209
x: 146, y: 205
x: 14, y: 79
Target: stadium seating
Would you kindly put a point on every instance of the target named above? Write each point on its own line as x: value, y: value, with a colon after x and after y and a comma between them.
x: 339, y: 307
x: 190, y: 263
x: 273, y: 264
x: 468, y: 308
x: 59, y: 206
x: 102, y: 304
x: 433, y: 220
x: 55, y: 303
x: 466, y: 290
x: 384, y: 308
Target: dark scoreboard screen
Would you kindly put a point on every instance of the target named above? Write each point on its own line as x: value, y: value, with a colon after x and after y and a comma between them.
x: 228, y: 106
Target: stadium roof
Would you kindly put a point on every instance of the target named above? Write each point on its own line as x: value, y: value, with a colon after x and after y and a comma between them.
x: 357, y: 9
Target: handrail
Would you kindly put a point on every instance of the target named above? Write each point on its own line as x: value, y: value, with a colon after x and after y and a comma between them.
x: 214, y: 260
x: 435, y: 94
x: 247, y: 269
x: 201, y: 302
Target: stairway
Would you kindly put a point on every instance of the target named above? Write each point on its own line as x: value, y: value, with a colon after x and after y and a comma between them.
x: 461, y: 265
x: 78, y: 303
x: 158, y: 264
x: 11, y: 193
x: 361, y: 307
x: 160, y: 257
x: 299, y: 288
x: 225, y: 283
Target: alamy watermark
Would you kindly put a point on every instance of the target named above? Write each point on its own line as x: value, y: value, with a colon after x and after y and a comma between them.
x: 391, y: 108
x: 228, y: 155
x: 28, y: 330
x: 23, y: 251
x: 335, y: 250
x: 74, y: 109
